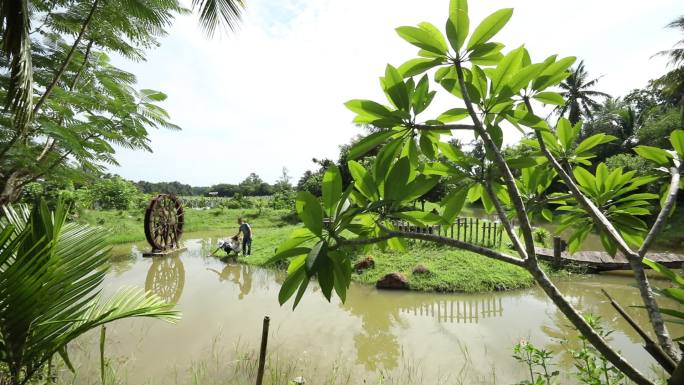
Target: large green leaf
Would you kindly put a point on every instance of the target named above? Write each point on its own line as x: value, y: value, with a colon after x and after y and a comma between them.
x: 523, y: 77
x: 310, y: 212
x: 315, y: 256
x: 370, y: 109
x: 297, y: 237
x: 417, y: 66
x: 585, y: 179
x: 550, y: 98
x: 384, y: 159
x: 593, y: 141
x: 341, y: 273
x: 397, y: 179
x: 420, y: 218
x: 395, y: 88
x: 457, y: 25
x: 332, y: 189
x: 677, y: 140
x: 507, y: 67
x: 363, y: 180
x: 419, y: 187
x: 489, y: 27
x: 664, y: 270
x: 553, y: 74
x: 326, y: 275
x: 422, y: 96
x: 655, y: 154
x: 291, y: 284
x: 369, y: 143
x: 565, y: 132
x: 453, y: 115
x: 453, y: 204
x: 426, y: 37
x: 675, y: 293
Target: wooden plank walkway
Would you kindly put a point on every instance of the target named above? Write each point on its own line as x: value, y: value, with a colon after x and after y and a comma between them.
x: 602, y: 261
x: 489, y: 234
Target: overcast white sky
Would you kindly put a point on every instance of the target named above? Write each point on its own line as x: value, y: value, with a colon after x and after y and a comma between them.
x: 271, y: 95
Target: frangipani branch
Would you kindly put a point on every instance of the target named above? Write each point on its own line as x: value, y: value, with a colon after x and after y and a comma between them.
x: 665, y: 211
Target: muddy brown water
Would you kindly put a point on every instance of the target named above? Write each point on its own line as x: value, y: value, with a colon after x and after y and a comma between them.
x: 417, y: 337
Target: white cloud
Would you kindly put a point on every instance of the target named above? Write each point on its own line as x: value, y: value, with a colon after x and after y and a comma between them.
x: 271, y: 95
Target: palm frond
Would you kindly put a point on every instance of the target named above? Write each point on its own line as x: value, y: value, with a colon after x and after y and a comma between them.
x: 677, y: 23
x: 51, y: 274
x: 215, y: 14
x: 16, y: 45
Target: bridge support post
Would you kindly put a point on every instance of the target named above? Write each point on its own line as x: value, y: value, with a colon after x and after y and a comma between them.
x: 557, y: 249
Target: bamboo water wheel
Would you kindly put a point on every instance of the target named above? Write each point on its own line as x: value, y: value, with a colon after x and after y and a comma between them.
x: 164, y: 219
x: 166, y: 279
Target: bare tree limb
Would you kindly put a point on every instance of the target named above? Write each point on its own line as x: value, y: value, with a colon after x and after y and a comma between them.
x: 504, y: 220
x: 651, y: 347
x: 664, y: 212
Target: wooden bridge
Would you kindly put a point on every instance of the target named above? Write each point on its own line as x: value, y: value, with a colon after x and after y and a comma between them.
x: 602, y: 261
x: 462, y: 311
x: 489, y: 234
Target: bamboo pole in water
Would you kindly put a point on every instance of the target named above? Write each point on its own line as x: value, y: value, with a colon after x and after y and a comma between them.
x: 262, y: 352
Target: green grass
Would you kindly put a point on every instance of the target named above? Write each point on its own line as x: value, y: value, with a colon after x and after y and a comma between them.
x: 450, y: 270
x: 127, y: 226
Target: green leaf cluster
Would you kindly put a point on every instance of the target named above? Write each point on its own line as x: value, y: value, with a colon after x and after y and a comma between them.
x: 617, y: 194
x: 405, y: 157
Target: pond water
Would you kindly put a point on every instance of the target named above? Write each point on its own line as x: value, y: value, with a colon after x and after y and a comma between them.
x: 412, y: 337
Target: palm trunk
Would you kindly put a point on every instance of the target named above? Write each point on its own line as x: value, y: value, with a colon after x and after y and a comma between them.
x: 11, y: 187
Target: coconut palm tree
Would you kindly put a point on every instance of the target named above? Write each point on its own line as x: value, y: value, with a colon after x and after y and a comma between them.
x: 673, y: 81
x: 676, y: 54
x: 617, y: 118
x: 51, y: 275
x: 579, y: 97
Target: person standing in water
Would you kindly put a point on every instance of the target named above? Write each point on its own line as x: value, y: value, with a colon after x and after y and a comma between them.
x: 246, y: 231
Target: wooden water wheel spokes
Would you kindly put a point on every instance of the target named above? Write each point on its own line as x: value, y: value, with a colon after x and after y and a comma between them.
x: 164, y: 220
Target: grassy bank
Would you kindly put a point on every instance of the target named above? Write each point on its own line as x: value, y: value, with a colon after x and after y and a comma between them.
x: 127, y: 226
x: 450, y: 270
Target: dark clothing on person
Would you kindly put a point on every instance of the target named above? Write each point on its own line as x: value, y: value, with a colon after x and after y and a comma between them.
x: 246, y: 246
x: 246, y: 231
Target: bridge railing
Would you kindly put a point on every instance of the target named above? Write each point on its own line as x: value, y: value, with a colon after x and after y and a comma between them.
x: 477, y: 231
x: 459, y: 311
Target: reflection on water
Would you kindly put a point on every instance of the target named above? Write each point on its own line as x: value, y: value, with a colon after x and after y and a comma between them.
x: 240, y: 275
x: 166, y: 278
x: 372, y: 331
x: 470, y: 311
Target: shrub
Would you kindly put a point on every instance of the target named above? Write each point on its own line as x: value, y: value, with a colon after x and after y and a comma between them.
x: 542, y: 235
